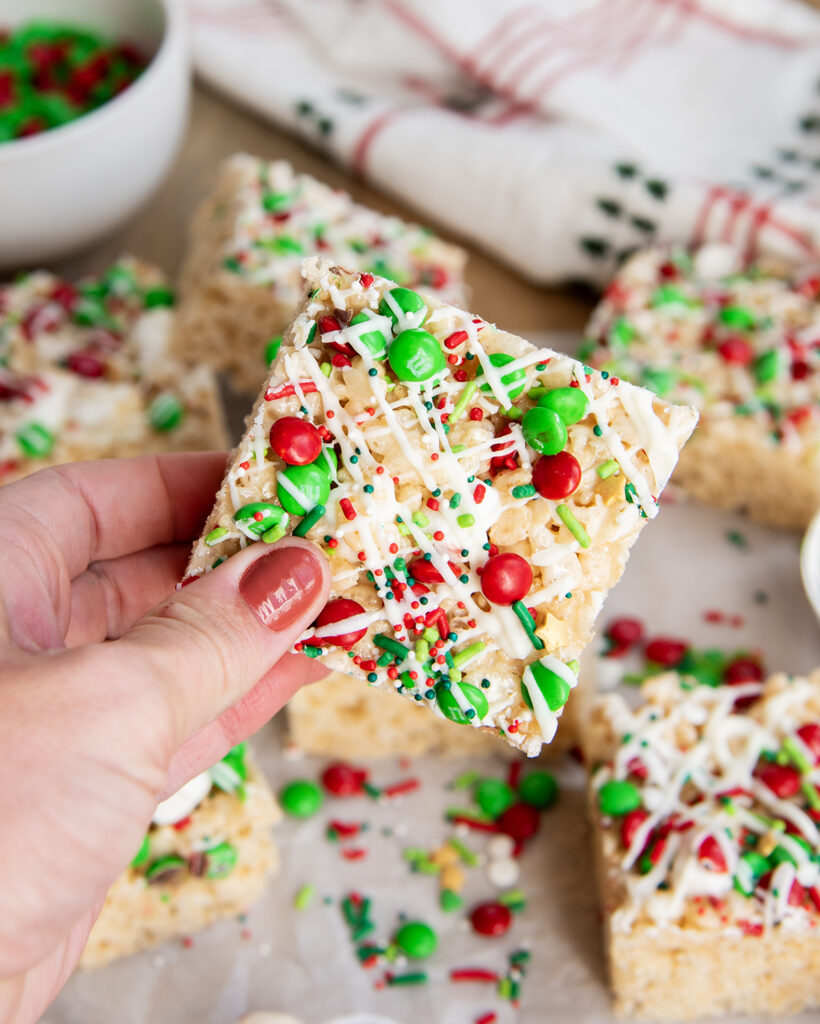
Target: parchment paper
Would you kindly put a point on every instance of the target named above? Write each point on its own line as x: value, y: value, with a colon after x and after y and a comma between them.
x: 303, y: 962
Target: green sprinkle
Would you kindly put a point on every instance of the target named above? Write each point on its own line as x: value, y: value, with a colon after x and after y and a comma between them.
x: 565, y: 514
x: 526, y: 620
x: 422, y: 650
x: 326, y: 369
x: 514, y: 899
x: 598, y: 430
x: 811, y: 794
x: 143, y: 853
x: 466, y: 520
x: 304, y: 897
x: 523, y: 491
x: 464, y: 851
x: 468, y: 652
x: 418, y: 978
x: 462, y: 401
x: 215, y: 536
x: 738, y: 539
x: 738, y: 318
x: 393, y: 647
x: 309, y: 521
x: 311, y: 651
x: 158, y: 296
x: 455, y: 501
x: 606, y: 469
x: 420, y: 519
x: 794, y: 754
x: 465, y: 780
x: 274, y: 534
x: 767, y: 366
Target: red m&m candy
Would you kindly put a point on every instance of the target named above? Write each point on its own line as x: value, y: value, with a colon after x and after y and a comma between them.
x: 520, y: 822
x: 342, y: 779
x: 810, y: 735
x: 782, y: 779
x: 491, y: 919
x: 666, y: 652
x: 339, y: 610
x: 506, y: 578
x: 423, y: 571
x: 556, y: 476
x: 295, y: 441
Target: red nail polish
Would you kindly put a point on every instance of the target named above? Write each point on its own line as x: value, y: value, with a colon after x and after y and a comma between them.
x: 281, y: 586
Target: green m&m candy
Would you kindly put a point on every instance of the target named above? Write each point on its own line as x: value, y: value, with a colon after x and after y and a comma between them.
x: 738, y: 317
x: 158, y: 297
x: 570, y: 404
x: 328, y: 461
x: 544, y: 430
x: 449, y: 705
x: 416, y: 355
x: 767, y: 366
x: 750, y: 869
x: 276, y: 202
x: 509, y: 380
x: 494, y: 796
x: 300, y: 798
x: 671, y: 295
x: 166, y: 412
x: 618, y: 797
x: 553, y: 686
x: 375, y: 340
x: 301, y: 488
x: 272, y: 348
x: 256, y: 518
x: 416, y: 940
x: 143, y: 853
x: 165, y: 869
x: 538, y: 789
x: 221, y: 860
x: 35, y: 440
x: 405, y: 308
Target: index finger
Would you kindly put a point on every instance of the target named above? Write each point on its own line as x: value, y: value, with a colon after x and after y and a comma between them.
x: 93, y: 511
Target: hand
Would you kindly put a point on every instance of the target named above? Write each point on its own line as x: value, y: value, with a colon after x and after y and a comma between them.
x: 112, y: 693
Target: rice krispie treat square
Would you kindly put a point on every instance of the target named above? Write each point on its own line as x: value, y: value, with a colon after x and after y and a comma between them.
x: 706, y: 806
x: 241, y: 281
x: 207, y: 856
x: 476, y: 497
x: 739, y: 342
x: 88, y: 371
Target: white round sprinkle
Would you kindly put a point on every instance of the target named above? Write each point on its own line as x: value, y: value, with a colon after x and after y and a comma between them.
x: 503, y: 873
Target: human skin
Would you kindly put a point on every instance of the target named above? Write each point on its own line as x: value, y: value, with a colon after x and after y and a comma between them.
x: 115, y: 688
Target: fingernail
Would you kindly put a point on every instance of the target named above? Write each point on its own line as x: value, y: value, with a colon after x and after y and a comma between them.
x: 280, y: 587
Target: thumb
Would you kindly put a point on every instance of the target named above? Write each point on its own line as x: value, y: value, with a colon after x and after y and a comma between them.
x: 209, y: 644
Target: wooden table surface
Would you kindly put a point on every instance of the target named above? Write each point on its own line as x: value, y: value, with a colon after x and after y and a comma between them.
x: 217, y: 129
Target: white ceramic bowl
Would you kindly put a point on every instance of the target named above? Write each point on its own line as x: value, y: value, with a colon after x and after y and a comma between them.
x: 67, y: 187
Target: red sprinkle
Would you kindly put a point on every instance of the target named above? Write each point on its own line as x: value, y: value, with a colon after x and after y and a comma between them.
x: 405, y: 786
x: 473, y: 974
x: 455, y: 339
x: 346, y: 505
x: 487, y: 1018
x: 353, y: 853
x: 476, y: 413
x: 288, y: 391
x: 782, y: 779
x: 366, y: 280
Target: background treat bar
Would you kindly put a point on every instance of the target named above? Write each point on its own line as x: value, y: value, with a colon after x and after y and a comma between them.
x: 87, y: 371
x: 706, y: 806
x: 241, y: 282
x: 739, y: 342
x: 207, y: 856
x: 476, y: 497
